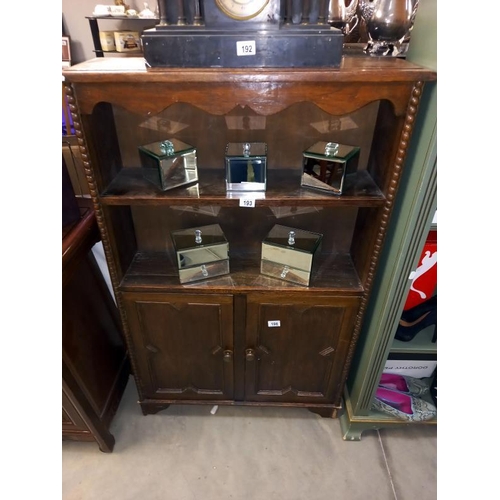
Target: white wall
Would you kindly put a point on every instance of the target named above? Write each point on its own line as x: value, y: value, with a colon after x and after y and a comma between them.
x: 78, y: 28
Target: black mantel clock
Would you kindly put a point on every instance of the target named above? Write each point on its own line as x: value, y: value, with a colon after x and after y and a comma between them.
x: 243, y: 33
x: 227, y: 13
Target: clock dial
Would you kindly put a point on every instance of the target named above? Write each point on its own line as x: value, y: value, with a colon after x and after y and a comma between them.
x: 241, y: 10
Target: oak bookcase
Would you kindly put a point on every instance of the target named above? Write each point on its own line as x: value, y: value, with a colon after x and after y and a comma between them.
x: 210, y: 342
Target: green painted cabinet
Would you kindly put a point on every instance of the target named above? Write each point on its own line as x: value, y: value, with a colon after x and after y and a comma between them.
x: 412, y: 217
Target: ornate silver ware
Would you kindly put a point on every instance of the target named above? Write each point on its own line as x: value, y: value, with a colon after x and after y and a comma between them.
x: 341, y: 13
x: 388, y: 22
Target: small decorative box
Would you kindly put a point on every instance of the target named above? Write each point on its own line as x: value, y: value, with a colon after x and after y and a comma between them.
x: 246, y: 166
x: 127, y: 41
x: 326, y: 165
x: 169, y: 164
x: 107, y: 39
x: 288, y: 253
x: 201, y: 252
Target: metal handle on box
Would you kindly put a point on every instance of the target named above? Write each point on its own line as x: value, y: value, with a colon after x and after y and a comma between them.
x: 167, y: 147
x: 331, y: 148
x: 284, y: 272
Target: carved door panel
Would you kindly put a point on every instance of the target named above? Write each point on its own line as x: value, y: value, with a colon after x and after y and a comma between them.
x: 183, y: 344
x: 71, y: 419
x: 296, y: 348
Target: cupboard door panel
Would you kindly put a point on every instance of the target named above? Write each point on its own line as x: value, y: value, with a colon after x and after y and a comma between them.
x: 71, y: 419
x: 183, y: 344
x: 296, y: 348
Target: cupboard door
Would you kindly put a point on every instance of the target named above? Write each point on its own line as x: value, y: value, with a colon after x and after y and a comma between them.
x: 183, y: 344
x: 296, y: 348
x: 71, y: 419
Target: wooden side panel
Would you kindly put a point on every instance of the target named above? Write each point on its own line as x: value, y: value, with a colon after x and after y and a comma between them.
x: 92, y: 346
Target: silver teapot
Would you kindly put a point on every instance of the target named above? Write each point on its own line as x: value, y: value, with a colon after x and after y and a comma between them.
x: 341, y: 15
x: 388, y: 23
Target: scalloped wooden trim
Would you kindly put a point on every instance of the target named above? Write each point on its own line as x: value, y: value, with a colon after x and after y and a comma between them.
x: 102, y: 228
x: 265, y: 98
x: 404, y: 140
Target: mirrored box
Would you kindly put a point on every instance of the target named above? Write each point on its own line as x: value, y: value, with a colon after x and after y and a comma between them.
x: 246, y: 166
x: 201, y: 252
x: 327, y: 165
x: 288, y: 254
x: 169, y: 164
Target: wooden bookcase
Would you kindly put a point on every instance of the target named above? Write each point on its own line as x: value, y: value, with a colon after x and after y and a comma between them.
x: 210, y: 341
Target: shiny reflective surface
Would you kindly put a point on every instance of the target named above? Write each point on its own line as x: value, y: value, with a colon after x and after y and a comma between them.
x: 196, y: 247
x: 388, y: 24
x: 246, y: 166
x: 204, y: 271
x: 288, y: 253
x: 303, y: 241
x: 326, y: 166
x: 169, y: 163
x: 341, y: 13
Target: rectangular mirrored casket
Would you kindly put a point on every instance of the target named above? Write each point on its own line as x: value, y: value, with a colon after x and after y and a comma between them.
x: 288, y: 254
x: 169, y: 164
x: 201, y: 252
x: 327, y: 164
x: 246, y: 166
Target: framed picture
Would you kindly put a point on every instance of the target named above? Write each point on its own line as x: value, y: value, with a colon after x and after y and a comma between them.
x: 66, y: 50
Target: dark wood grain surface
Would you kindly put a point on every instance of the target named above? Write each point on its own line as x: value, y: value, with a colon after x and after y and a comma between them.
x: 118, y: 105
x: 156, y: 271
x: 95, y: 365
x: 284, y: 189
x: 352, y: 69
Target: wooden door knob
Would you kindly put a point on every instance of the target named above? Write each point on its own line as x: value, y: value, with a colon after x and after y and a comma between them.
x: 228, y: 356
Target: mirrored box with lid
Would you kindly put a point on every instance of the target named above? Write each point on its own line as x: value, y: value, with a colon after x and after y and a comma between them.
x: 327, y: 165
x: 246, y: 166
x: 201, y: 252
x: 288, y: 254
x: 169, y: 164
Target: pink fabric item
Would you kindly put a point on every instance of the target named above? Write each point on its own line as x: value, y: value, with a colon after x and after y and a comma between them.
x: 394, y: 381
x: 398, y: 400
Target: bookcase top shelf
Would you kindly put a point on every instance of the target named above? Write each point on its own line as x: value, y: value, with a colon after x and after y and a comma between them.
x: 352, y: 69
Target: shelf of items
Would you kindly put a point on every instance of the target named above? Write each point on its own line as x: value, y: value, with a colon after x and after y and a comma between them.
x: 117, y: 107
x: 94, y: 29
x: 414, y: 216
x: 157, y: 272
x: 421, y: 344
x: 130, y: 188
